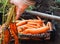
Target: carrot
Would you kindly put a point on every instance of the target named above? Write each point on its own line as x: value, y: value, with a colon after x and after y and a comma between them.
x: 33, y: 26
x: 22, y: 28
x: 14, y: 31
x: 14, y: 27
x: 38, y: 18
x: 15, y: 37
x: 19, y: 30
x: 6, y: 39
x: 37, y: 21
x: 21, y: 23
x: 36, y: 30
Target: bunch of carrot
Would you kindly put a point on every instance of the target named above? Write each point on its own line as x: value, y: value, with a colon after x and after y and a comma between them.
x: 13, y: 29
x: 33, y: 26
x: 9, y: 26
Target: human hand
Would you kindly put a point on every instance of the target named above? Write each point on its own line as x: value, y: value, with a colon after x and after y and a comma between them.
x: 20, y: 7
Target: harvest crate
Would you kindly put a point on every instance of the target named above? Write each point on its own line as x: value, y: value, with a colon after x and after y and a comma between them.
x: 50, y: 35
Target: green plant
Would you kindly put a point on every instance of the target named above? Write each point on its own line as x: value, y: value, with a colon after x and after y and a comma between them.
x: 3, y: 9
x: 5, y: 5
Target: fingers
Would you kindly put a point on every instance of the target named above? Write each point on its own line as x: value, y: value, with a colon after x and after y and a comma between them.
x: 50, y: 25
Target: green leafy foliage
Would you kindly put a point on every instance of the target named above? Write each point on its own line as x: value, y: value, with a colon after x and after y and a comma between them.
x: 4, y: 6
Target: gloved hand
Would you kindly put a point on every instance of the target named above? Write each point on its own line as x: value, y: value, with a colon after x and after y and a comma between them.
x: 21, y: 5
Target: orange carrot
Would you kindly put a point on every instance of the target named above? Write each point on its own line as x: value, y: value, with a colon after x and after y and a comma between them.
x: 14, y: 27
x: 37, y: 21
x: 6, y: 39
x: 38, y: 18
x: 14, y: 31
x: 36, y: 30
x: 21, y: 23
x: 33, y: 26
x: 21, y: 28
